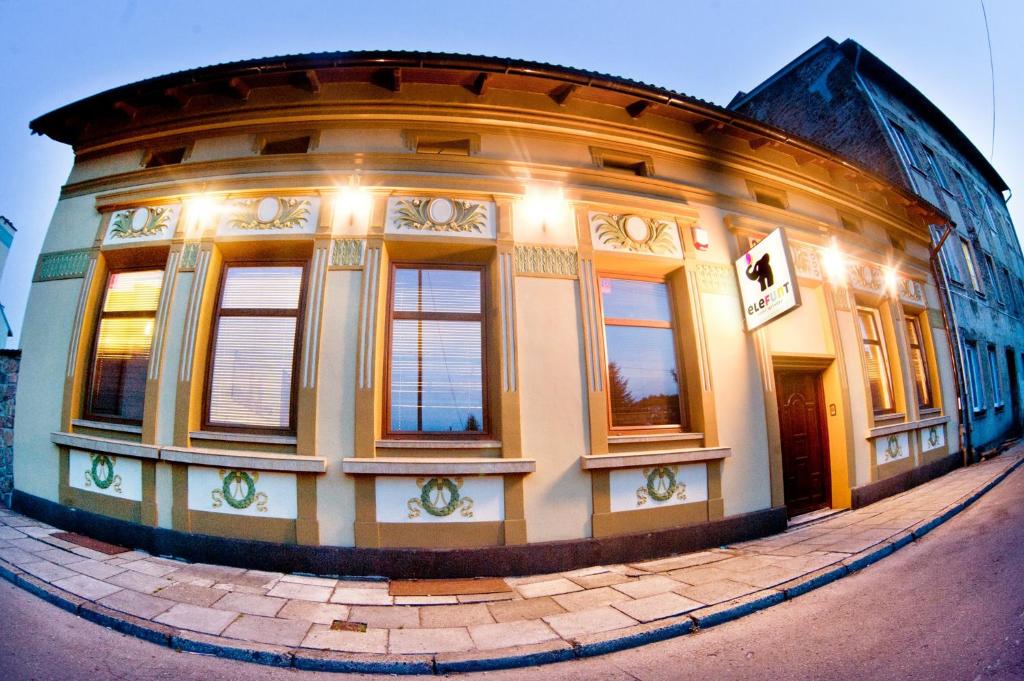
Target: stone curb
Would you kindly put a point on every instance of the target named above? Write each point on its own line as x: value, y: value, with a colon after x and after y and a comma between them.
x: 523, y: 656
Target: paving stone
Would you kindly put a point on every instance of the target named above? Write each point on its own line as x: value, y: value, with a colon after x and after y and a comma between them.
x: 321, y: 613
x: 189, y: 593
x: 648, y: 586
x: 197, y: 618
x: 455, y: 615
x: 485, y: 598
x: 267, y: 630
x: 361, y: 596
x: 28, y: 544
x: 250, y: 604
x: 241, y: 588
x: 600, y: 579
x: 216, y: 573
x: 529, y: 609
x: 138, y: 604
x: 305, y: 592
x: 136, y: 581
x: 363, y: 584
x: 657, y: 607
x: 47, y: 571
x: 151, y: 568
x: 508, y: 634
x: 720, y: 590
x: 700, y: 575
x: 585, y: 572
x: 589, y: 599
x: 255, y: 578
x: 551, y: 587
x: 798, y: 549
x: 406, y: 641
x: 95, y: 569
x: 308, y: 579
x: 92, y: 554
x: 531, y: 579
x: 17, y: 556
x: 369, y: 641
x: 11, y: 533
x: 744, y: 563
x: 86, y: 587
x: 588, y: 621
x: 680, y: 562
x: 385, y: 616
x: 59, y: 556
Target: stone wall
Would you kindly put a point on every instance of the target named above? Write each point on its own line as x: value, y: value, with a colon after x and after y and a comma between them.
x: 10, y: 360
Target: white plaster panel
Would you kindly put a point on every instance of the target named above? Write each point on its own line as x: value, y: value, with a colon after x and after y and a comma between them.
x: 274, y: 495
x: 892, y: 448
x: 640, y: 235
x: 269, y: 216
x: 471, y: 499
x: 933, y: 437
x: 164, y: 494
x: 74, y: 224
x: 683, y: 484
x: 438, y: 215
x: 124, y: 224
x: 116, y: 476
x: 107, y: 164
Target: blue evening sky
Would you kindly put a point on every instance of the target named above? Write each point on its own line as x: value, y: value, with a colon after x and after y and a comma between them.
x: 58, y: 52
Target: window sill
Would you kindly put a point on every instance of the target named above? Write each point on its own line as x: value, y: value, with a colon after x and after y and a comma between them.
x: 105, y: 445
x: 436, y: 466
x: 438, y: 444
x: 889, y: 418
x: 635, y: 459
x: 107, y: 425
x: 928, y: 412
x: 261, y: 461
x: 903, y: 427
x: 243, y: 437
x: 659, y: 437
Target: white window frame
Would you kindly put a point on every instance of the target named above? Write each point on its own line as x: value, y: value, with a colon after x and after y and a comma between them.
x: 993, y: 369
x: 903, y: 144
x: 976, y: 387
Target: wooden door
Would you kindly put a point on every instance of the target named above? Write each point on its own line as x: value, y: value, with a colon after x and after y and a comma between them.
x: 805, y: 466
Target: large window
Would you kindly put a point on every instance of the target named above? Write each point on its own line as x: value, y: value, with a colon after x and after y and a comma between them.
x: 436, y: 362
x: 933, y: 167
x: 919, y: 364
x: 993, y: 371
x: 124, y: 334
x: 972, y: 266
x: 643, y: 374
x: 876, y: 360
x: 903, y: 142
x: 977, y: 388
x: 251, y: 383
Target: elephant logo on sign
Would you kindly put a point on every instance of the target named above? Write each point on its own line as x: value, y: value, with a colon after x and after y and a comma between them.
x: 760, y: 271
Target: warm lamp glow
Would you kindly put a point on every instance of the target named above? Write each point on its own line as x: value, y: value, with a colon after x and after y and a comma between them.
x: 352, y: 203
x: 835, y: 264
x: 891, y: 279
x: 545, y: 205
x: 202, y: 210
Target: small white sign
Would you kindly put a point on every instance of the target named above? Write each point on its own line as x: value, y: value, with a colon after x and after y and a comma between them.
x: 768, y: 287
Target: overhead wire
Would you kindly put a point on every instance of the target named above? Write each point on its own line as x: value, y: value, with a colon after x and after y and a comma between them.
x: 992, y: 75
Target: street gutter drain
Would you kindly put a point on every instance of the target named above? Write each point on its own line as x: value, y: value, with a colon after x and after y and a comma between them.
x: 359, y: 627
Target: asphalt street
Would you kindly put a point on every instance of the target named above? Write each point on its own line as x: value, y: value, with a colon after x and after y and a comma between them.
x: 950, y: 606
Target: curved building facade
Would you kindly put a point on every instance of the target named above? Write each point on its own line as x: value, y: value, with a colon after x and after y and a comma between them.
x: 357, y: 310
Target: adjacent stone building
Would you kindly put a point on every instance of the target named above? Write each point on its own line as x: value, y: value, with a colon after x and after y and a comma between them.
x: 349, y: 312
x: 847, y: 99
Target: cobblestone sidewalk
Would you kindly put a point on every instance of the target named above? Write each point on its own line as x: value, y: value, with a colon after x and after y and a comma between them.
x: 357, y: 625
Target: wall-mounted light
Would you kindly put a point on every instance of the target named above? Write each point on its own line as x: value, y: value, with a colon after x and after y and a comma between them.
x: 891, y: 279
x: 835, y: 264
x: 202, y: 211
x: 352, y: 204
x: 545, y: 205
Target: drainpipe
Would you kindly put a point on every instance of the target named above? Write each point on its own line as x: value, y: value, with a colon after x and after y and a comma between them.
x: 956, y: 351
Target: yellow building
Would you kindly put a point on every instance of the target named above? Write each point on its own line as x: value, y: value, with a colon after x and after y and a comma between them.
x: 411, y: 301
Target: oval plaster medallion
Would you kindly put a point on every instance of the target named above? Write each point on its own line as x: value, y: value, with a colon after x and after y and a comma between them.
x: 636, y: 229
x: 441, y: 211
x: 268, y: 209
x: 140, y: 217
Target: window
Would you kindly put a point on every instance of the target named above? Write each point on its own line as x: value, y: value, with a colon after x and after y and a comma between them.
x: 946, y: 257
x: 977, y: 389
x: 990, y: 270
x: 934, y: 169
x: 919, y: 364
x: 251, y: 383
x: 903, y: 143
x: 290, y: 145
x: 850, y: 224
x: 124, y: 334
x: 620, y: 161
x: 965, y: 194
x: 773, y: 199
x: 643, y: 373
x: 993, y: 370
x: 972, y: 268
x: 875, y: 360
x: 165, y: 157
x: 436, y: 359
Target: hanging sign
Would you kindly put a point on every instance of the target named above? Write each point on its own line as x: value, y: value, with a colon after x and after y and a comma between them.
x: 768, y: 288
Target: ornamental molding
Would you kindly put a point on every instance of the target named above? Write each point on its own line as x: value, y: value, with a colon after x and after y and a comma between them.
x: 347, y: 253
x: 713, y: 277
x: 866, y: 277
x: 440, y: 215
x: 239, y: 491
x: 440, y: 497
x: 144, y: 222
x: 660, y: 486
x: 189, y: 256
x: 634, y: 234
x: 101, y: 473
x: 806, y: 262
x: 911, y: 291
x: 269, y: 214
x: 892, y: 447
x: 547, y: 261
x: 62, y: 265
